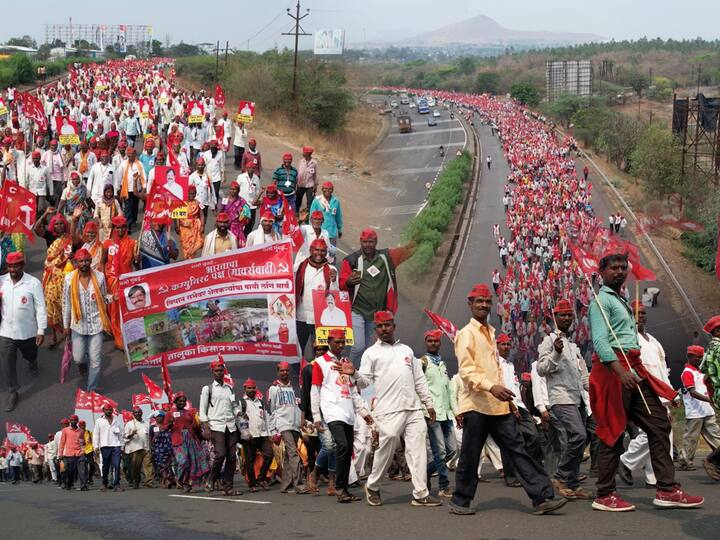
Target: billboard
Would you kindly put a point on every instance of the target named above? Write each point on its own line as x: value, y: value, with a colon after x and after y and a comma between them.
x: 568, y: 77
x: 329, y: 41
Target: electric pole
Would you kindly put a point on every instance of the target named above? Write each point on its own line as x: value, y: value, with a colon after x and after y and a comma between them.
x: 297, y: 32
x: 217, y: 60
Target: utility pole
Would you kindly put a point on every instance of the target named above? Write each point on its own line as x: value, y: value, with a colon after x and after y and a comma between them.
x: 227, y: 47
x: 217, y: 59
x: 297, y: 32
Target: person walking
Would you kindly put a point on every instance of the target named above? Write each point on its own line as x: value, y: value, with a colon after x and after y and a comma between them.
x: 23, y: 320
x: 331, y: 209
x: 71, y: 452
x: 108, y: 441
x: 285, y: 178
x: 137, y: 448
x: 260, y: 440
x: 307, y: 179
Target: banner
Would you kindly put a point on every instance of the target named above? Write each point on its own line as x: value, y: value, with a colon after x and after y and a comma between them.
x: 196, y: 112
x: 329, y: 41
x: 240, y: 304
x: 89, y: 405
x: 219, y: 97
x: 246, y: 111
x: 18, y: 207
x: 67, y: 130
x: 18, y: 434
x: 332, y: 309
x: 145, y: 106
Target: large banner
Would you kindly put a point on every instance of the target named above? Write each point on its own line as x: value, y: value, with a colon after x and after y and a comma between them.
x: 329, y: 41
x: 67, y: 130
x: 239, y: 304
x: 332, y: 309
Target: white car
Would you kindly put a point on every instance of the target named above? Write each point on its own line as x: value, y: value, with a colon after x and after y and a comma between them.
x: 413, y: 105
x: 436, y: 113
x: 394, y: 104
x: 431, y: 102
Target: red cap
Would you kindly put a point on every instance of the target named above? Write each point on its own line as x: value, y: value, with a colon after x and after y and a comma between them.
x: 36, y: 153
x: 563, y: 306
x: 178, y: 395
x: 308, y: 149
x: 104, y: 153
x: 217, y: 364
x: 122, y: 144
x: 74, y: 417
x: 234, y: 184
x: 503, y: 338
x: 136, y: 409
x: 222, y: 216
x: 64, y: 421
x: 74, y: 174
x: 149, y: 143
x: 283, y: 365
x: 15, y: 257
x: 328, y: 184
x: 249, y: 382
x: 267, y: 215
x: 368, y: 234
x: 318, y: 243
x: 317, y: 214
x: 90, y: 226
x: 200, y: 161
x: 252, y: 141
x: 213, y: 143
x: 479, y: 289
x: 119, y: 221
x: 287, y: 155
x: 434, y: 334
x: 712, y: 324
x: 336, y: 333
x: 383, y: 317
x: 82, y: 254
x: 81, y: 423
x: 131, y: 150
x: 272, y: 188
x: 696, y: 350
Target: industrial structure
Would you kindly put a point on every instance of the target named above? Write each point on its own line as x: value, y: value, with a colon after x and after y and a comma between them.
x: 695, y: 122
x: 100, y: 36
x: 568, y: 77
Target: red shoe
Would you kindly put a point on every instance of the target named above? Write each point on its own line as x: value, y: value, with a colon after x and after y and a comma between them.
x: 676, y: 498
x: 612, y: 503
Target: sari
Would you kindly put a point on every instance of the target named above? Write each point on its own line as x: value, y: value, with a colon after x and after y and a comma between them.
x: 154, y: 249
x: 58, y: 256
x: 74, y: 195
x: 191, y: 231
x: 239, y: 213
x: 105, y: 211
x: 95, y: 250
x: 120, y: 254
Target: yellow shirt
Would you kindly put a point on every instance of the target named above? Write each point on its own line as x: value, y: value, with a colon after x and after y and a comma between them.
x: 88, y: 448
x: 222, y: 244
x: 479, y: 370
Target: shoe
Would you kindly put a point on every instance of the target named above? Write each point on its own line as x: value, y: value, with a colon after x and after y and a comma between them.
x: 686, y: 467
x: 445, y: 493
x: 562, y: 489
x: 372, y: 497
x: 426, y: 501
x: 625, y: 475
x: 483, y: 480
x: 712, y: 470
x: 301, y: 490
x: 676, y: 498
x: 344, y: 497
x: 612, y: 503
x: 650, y: 486
x: 580, y: 494
x: 460, y: 510
x: 11, y: 402
x: 84, y: 488
x: 549, y: 505
x: 513, y: 483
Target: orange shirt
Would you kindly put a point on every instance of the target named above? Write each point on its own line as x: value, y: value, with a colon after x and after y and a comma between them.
x: 72, y: 442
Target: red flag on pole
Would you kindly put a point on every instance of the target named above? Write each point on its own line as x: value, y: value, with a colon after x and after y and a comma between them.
x: 153, y: 389
x: 17, y: 209
x: 33, y: 109
x: 165, y: 376
x: 219, y: 96
x: 448, y: 328
x: 587, y: 263
x: 291, y: 228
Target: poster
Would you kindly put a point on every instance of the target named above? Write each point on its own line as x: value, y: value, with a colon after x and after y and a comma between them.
x: 246, y: 111
x: 145, y: 106
x: 196, y: 112
x: 329, y: 41
x: 170, y: 179
x: 3, y: 107
x: 67, y: 130
x: 332, y: 310
x: 239, y: 304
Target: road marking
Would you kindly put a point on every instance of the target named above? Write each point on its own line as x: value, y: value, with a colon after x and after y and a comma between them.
x: 418, y: 147
x: 219, y: 499
x: 418, y: 170
x: 399, y: 210
x: 428, y: 131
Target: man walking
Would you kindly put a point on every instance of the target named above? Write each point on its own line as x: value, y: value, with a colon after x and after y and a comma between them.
x: 71, y: 453
x: 137, y: 446
x: 400, y: 391
x: 221, y: 239
x: 108, y: 439
x: 565, y: 372
x: 621, y: 389
x: 23, y: 322
x: 330, y: 207
x: 285, y: 178
x: 260, y: 441
x: 307, y: 179
x: 485, y: 410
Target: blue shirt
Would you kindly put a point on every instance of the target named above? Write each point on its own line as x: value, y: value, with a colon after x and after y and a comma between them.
x: 333, y: 222
x: 622, y: 322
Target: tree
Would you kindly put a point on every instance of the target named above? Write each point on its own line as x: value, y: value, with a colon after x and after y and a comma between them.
x: 466, y: 65
x: 23, y: 71
x: 619, y: 138
x: 487, y: 82
x: 156, y: 48
x: 656, y: 159
x: 637, y: 81
x: 565, y: 106
x: 24, y: 41
x: 327, y: 107
x: 43, y: 52
x: 525, y: 93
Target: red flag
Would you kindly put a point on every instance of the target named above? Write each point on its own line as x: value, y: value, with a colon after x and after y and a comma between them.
x: 33, y: 109
x: 227, y: 379
x: 291, y: 228
x: 219, y: 96
x: 448, y: 328
x: 587, y: 263
x: 17, y: 209
x: 141, y: 399
x: 17, y: 433
x: 165, y: 376
x: 156, y: 393
x: 127, y: 416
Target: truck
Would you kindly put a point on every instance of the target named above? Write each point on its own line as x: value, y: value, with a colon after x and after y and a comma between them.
x: 404, y: 99
x: 422, y: 106
x: 404, y: 123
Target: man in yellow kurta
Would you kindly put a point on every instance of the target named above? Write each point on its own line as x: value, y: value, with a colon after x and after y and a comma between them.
x: 484, y: 404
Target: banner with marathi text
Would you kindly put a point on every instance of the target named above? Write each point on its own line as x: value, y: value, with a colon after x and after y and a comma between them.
x: 239, y: 304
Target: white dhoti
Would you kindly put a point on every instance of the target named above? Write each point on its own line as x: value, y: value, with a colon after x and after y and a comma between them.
x: 411, y: 426
x: 637, y: 456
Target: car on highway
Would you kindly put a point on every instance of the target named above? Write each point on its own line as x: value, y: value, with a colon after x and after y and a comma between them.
x: 432, y: 121
x: 431, y: 102
x: 394, y: 104
x: 412, y: 105
x: 436, y: 113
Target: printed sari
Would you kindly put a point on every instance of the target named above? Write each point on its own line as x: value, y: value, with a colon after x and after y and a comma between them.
x: 154, y: 249
x: 58, y: 256
x: 239, y: 213
x: 191, y: 231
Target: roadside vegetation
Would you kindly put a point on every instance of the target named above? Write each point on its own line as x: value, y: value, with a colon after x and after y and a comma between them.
x: 19, y: 69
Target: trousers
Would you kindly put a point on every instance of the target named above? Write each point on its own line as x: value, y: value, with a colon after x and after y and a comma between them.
x: 438, y: 433
x: 292, y: 466
x: 225, y: 446
x: 637, y: 456
x: 706, y: 426
x: 8, y: 359
x: 411, y: 426
x: 75, y: 466
x: 363, y: 332
x: 251, y: 448
x: 342, y: 434
x: 92, y: 346
x: 111, y: 459
x: 572, y: 418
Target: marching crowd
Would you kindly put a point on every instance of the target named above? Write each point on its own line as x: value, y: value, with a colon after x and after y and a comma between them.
x: 525, y: 398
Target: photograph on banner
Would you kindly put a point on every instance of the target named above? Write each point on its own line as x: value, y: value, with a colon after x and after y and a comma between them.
x: 332, y: 310
x: 239, y: 304
x: 67, y: 130
x: 169, y: 178
x: 196, y: 112
x: 3, y: 107
x: 145, y: 106
x: 164, y: 97
x: 246, y: 111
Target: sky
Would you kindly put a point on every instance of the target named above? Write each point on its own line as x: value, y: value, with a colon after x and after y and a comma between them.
x: 259, y: 24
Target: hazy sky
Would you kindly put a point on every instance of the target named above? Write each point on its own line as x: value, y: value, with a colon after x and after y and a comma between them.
x: 263, y: 21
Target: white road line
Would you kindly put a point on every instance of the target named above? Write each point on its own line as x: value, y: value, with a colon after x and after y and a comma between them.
x: 399, y: 210
x: 418, y: 147
x: 418, y: 170
x: 226, y: 499
x: 428, y: 131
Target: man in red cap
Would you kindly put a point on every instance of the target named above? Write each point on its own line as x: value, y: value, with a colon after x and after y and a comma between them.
x: 368, y: 275
x: 85, y: 316
x: 566, y: 375
x: 239, y: 139
x: 130, y: 182
x: 84, y: 160
x: 699, y: 416
x: 331, y: 209
x: 266, y: 232
x: 221, y: 239
x: 37, y: 180
x: 335, y: 401
x: 57, y: 169
x: 400, y: 393
x: 249, y: 189
x: 311, y: 232
x: 275, y: 202
x: 484, y: 405
x: 215, y: 166
x: 252, y: 155
x: 71, y: 452
x: 284, y: 424
x: 100, y: 174
x: 204, y: 190
x: 218, y: 414
x: 260, y: 441
x: 441, y: 433
x: 307, y: 178
x: 285, y: 178
x: 622, y: 389
x: 137, y: 447
x: 23, y: 320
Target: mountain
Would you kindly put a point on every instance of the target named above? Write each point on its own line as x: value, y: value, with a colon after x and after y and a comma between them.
x: 483, y: 31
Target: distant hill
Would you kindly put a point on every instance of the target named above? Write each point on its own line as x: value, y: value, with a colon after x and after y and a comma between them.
x: 482, y: 31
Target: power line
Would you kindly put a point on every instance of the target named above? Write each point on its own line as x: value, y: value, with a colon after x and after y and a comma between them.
x: 297, y: 33
x: 256, y: 34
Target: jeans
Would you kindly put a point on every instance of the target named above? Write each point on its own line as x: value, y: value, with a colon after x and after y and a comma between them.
x: 305, y: 333
x: 239, y: 151
x: 216, y: 187
x: 572, y: 417
x: 437, y: 436
x: 291, y: 200
x: 342, y: 434
x: 8, y: 358
x: 92, y: 346
x: 363, y: 332
x: 225, y: 446
x: 111, y: 458
x: 130, y: 209
x: 75, y: 465
x: 308, y: 194
x: 326, y: 456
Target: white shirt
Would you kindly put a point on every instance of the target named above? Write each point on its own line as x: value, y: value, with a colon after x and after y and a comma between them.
x: 694, y: 408
x: 539, y: 389
x: 258, y: 236
x: 240, y: 136
x: 23, y: 307
x: 333, y: 394
x: 653, y: 357
x: 136, y: 436
x: 204, y: 192
x: 309, y: 235
x: 249, y: 188
x: 257, y: 420
x: 215, y: 166
x: 99, y: 176
x: 37, y: 180
x: 510, y: 380
x: 221, y: 413
x: 135, y: 167
x: 314, y: 279
x: 397, y: 377
x: 90, y: 323
x: 108, y: 433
